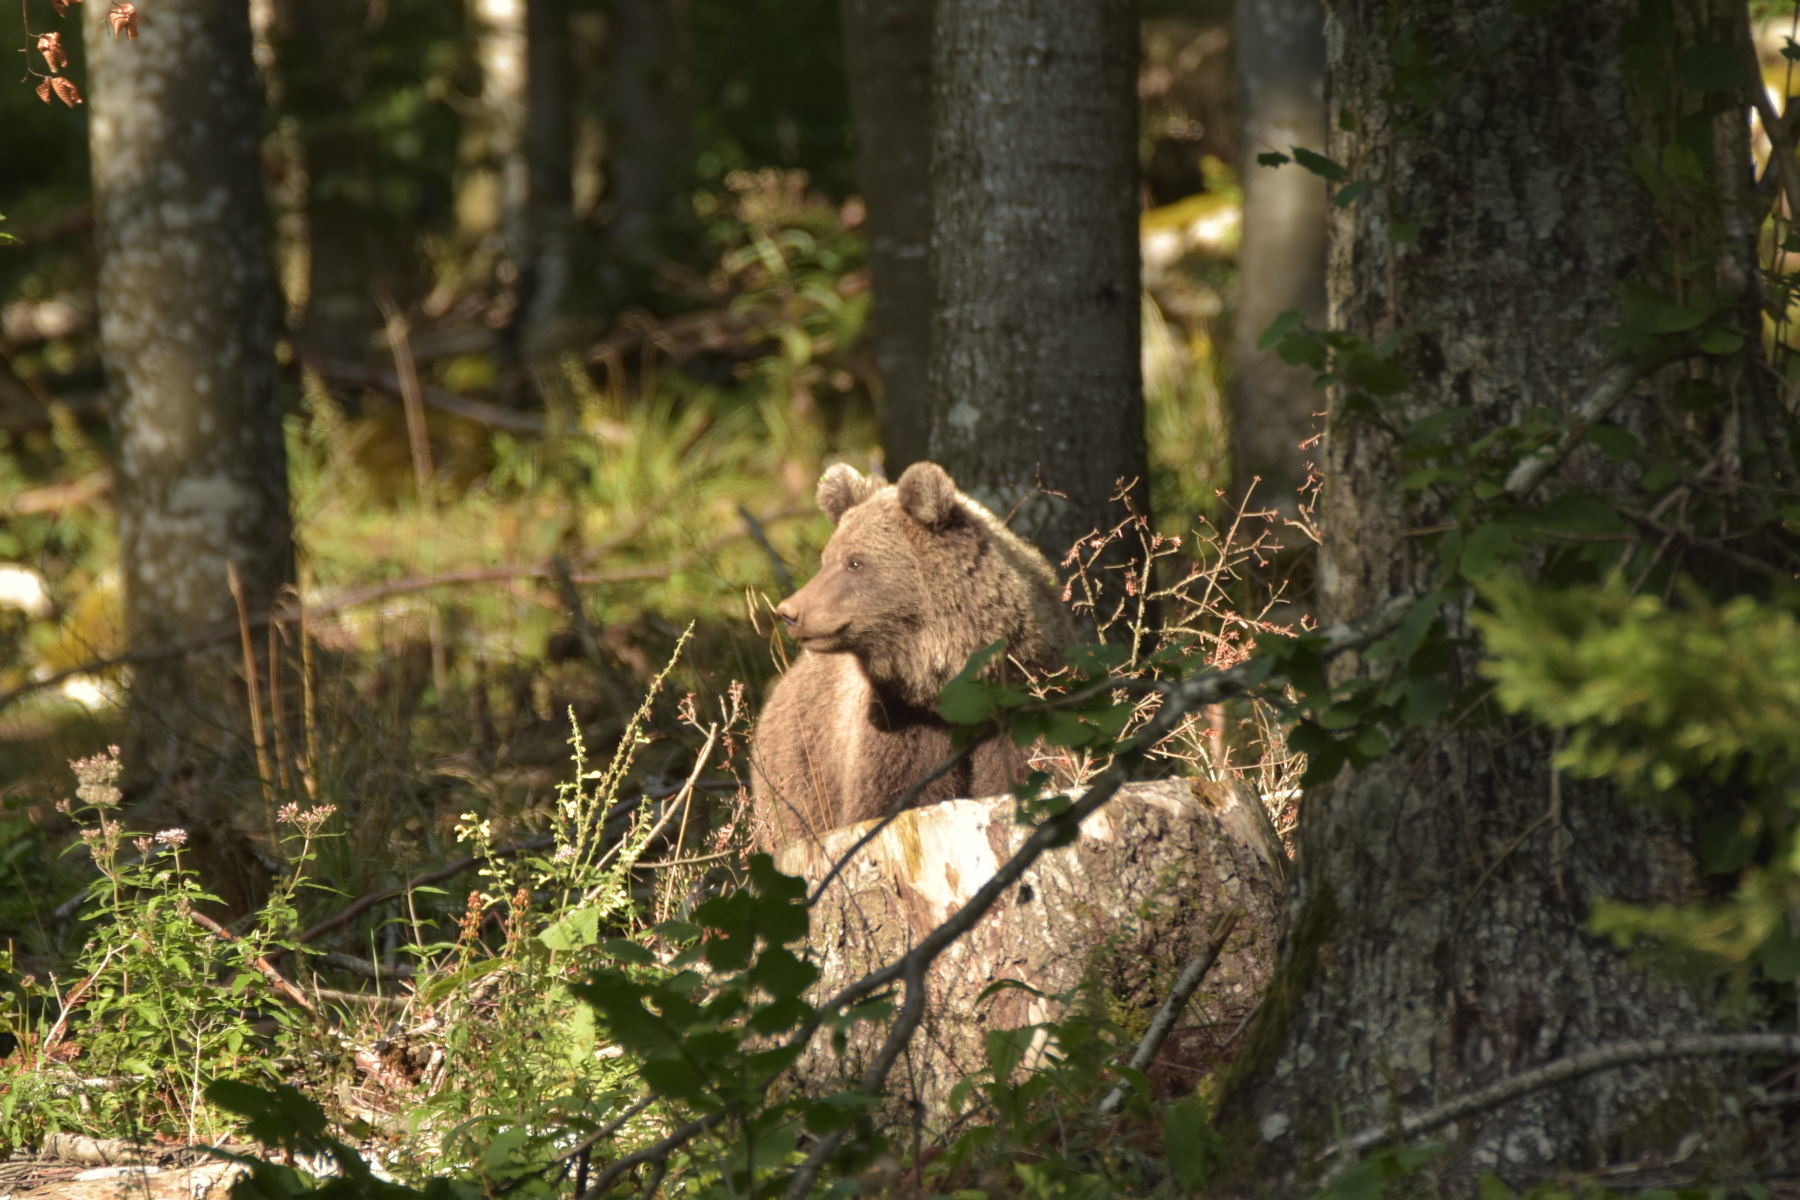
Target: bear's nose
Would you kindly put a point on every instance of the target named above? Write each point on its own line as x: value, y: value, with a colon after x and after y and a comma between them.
x: 790, y: 616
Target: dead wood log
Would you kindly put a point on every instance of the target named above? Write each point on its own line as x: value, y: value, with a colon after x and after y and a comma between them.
x: 1123, y: 909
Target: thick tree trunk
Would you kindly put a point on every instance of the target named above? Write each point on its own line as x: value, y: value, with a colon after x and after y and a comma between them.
x: 887, y: 47
x: 1279, y: 47
x: 1036, y: 392
x: 1437, y: 937
x: 1121, y: 910
x: 188, y: 318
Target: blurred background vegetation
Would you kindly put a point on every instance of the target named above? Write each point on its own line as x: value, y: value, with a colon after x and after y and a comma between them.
x: 621, y: 397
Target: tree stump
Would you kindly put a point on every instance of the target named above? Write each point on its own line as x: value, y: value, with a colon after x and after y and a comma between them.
x: 1114, y: 916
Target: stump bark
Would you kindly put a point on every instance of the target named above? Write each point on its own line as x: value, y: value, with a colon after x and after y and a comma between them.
x: 1109, y: 920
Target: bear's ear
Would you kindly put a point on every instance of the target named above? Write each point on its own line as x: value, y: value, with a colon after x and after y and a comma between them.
x: 928, y: 495
x: 841, y: 487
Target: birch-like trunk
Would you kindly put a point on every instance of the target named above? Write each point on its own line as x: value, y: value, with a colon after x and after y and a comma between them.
x: 1279, y: 49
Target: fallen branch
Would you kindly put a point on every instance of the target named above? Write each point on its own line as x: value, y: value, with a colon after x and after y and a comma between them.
x: 1612, y: 387
x: 357, y: 597
x: 263, y: 966
x: 1163, y: 1023
x: 374, y: 379
x: 1562, y: 1070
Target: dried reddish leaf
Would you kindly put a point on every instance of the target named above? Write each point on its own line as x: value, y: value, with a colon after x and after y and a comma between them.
x: 43, y: 90
x: 124, y: 20
x: 65, y: 90
x: 51, y: 47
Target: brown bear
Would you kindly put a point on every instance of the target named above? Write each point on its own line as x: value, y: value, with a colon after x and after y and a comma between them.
x: 916, y: 579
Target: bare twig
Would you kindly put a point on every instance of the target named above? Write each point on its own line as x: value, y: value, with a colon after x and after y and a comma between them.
x: 620, y: 812
x: 1562, y: 1070
x: 263, y: 966
x: 1613, y: 386
x: 357, y: 597
x: 658, y: 1152
x: 355, y: 375
x: 762, y: 539
x: 1163, y: 1023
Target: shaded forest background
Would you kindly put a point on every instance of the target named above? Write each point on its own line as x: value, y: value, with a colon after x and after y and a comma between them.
x: 409, y: 412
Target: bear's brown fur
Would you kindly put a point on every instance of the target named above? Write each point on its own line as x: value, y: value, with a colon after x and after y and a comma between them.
x: 916, y: 579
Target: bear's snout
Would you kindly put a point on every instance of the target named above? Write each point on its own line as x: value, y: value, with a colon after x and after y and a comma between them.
x: 790, y: 616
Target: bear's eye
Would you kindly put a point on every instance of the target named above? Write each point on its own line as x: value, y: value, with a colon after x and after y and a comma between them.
x: 853, y: 564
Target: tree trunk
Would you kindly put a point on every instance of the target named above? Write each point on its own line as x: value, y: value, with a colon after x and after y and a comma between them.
x: 494, y: 177
x: 887, y: 48
x: 1437, y: 937
x: 321, y: 65
x: 545, y: 228
x: 648, y: 137
x: 188, y: 318
x: 1122, y: 910
x: 1279, y: 47
x: 1036, y: 393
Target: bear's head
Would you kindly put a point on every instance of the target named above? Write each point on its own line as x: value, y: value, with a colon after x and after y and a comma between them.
x: 917, y: 578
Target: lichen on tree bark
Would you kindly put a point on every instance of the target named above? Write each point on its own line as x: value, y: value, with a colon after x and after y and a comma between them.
x: 1438, y: 928
x: 189, y: 313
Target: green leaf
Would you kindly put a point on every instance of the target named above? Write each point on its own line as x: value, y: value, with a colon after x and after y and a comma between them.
x: 967, y: 700
x: 1377, y: 376
x: 676, y: 1079
x: 1578, y: 512
x: 1489, y: 548
x: 1711, y: 67
x: 1093, y: 659
x: 1273, y: 158
x: 1719, y: 340
x: 1617, y: 444
x: 277, y: 1114
x: 1779, y: 955
x: 1411, y: 1158
x: 1319, y: 165
x: 1190, y: 1143
x: 1280, y: 327
x: 620, y: 1003
x: 1489, y: 1187
x: 1425, y: 700
x: 833, y: 1112
x: 782, y: 973
x: 1405, y: 233
x: 1350, y: 193
x: 1370, y: 744
x: 626, y: 951
x: 576, y: 929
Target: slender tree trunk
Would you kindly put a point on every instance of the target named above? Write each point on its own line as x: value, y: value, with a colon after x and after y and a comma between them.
x: 1279, y: 46
x: 189, y: 312
x: 1036, y: 394
x: 545, y: 229
x: 1437, y: 937
x: 494, y: 175
x: 888, y: 52
x: 648, y: 136
x: 322, y: 48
